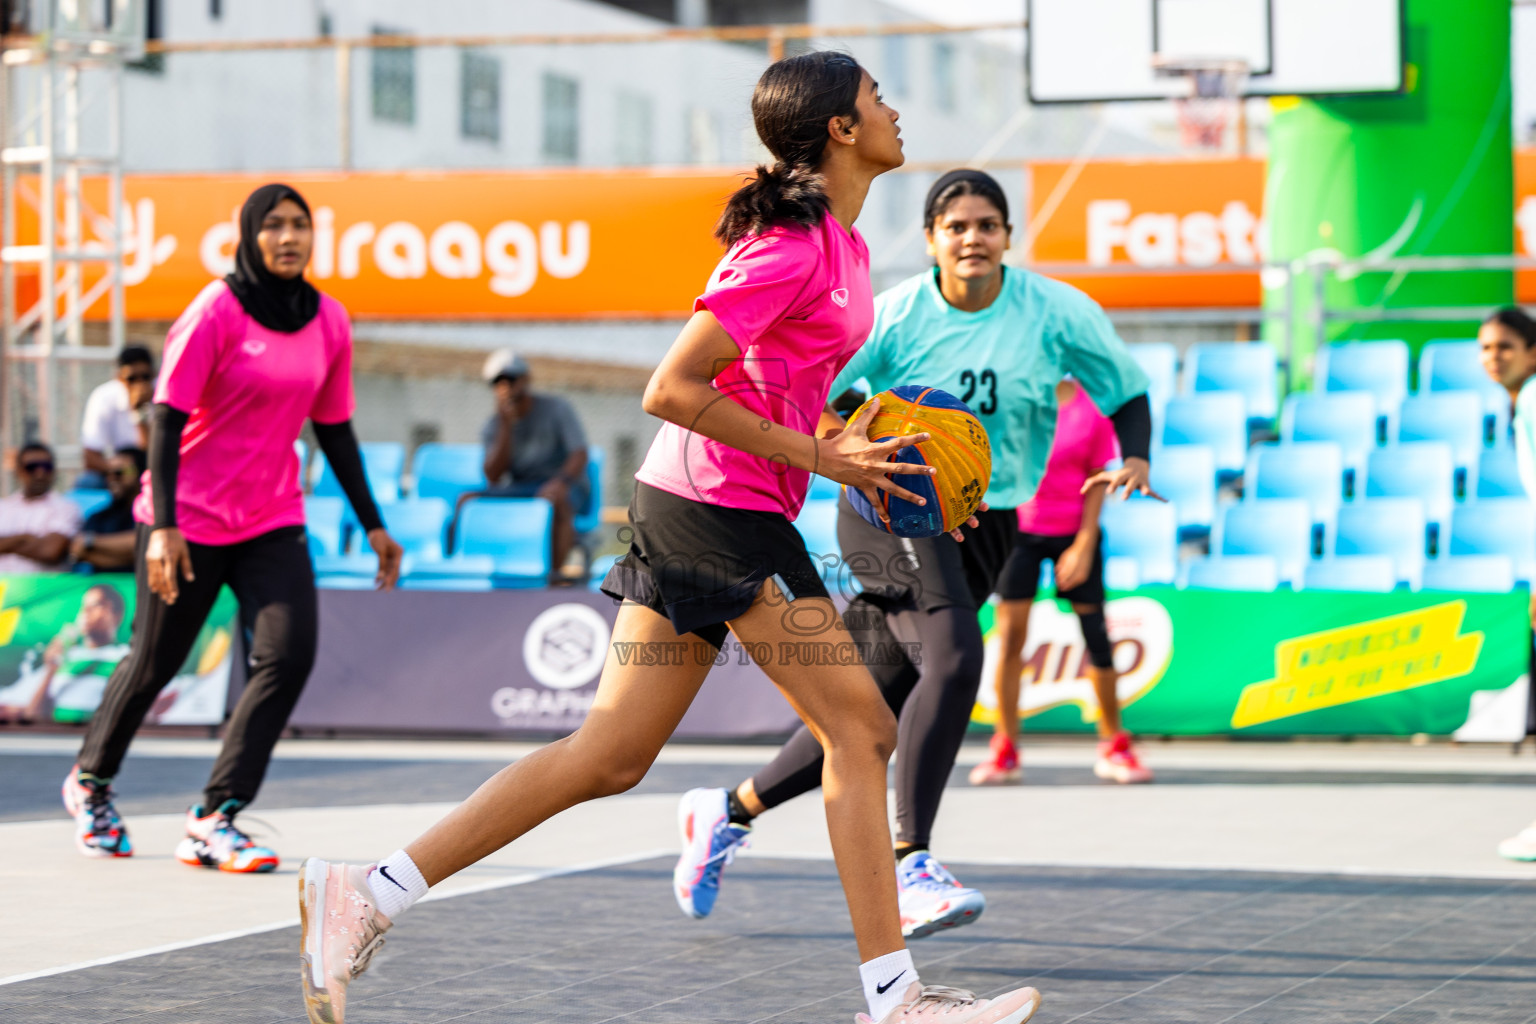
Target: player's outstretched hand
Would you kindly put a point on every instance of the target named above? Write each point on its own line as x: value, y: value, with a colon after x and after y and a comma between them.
x: 851, y: 458
x: 1134, y: 476
x: 389, y: 553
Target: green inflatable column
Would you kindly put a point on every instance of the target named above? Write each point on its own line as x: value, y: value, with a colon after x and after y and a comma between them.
x: 1429, y: 172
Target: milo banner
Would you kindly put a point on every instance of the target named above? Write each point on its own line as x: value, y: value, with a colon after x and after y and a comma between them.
x: 1202, y: 662
x: 61, y: 636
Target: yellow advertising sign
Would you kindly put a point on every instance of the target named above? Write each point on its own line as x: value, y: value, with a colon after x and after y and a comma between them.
x: 9, y: 617
x: 1363, y: 660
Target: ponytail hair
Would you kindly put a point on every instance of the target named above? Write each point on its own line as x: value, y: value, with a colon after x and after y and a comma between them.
x: 791, y: 106
x: 1517, y: 320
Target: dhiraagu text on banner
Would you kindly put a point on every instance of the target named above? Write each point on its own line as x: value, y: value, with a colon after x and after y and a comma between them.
x: 1196, y: 662
x: 61, y: 635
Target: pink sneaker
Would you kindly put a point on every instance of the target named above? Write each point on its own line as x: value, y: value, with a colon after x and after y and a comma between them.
x: 1001, y: 768
x: 1118, y: 761
x: 942, y: 1005
x: 341, y: 928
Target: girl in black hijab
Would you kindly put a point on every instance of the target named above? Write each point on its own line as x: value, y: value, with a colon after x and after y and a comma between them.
x: 255, y: 356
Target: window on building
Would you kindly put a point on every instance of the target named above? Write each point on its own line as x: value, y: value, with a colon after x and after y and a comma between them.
x: 154, y: 28
x: 632, y: 135
x: 893, y: 73
x: 394, y: 80
x: 325, y: 28
x: 944, y: 75
x: 479, y: 96
x: 989, y: 85
x: 703, y: 137
x: 661, y: 10
x: 215, y: 9
x: 562, y: 96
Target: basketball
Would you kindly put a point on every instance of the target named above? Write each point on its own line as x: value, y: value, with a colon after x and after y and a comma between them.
x: 957, y: 447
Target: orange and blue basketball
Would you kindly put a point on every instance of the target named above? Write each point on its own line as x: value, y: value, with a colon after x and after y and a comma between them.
x: 957, y: 447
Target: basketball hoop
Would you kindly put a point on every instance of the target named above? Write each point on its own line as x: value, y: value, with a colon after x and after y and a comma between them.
x: 1214, y: 99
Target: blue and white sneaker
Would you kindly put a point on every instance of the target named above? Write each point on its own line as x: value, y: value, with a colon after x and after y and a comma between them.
x: 931, y: 899
x: 710, y: 842
x: 99, y: 831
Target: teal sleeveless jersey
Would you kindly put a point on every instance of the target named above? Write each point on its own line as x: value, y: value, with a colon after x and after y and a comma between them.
x: 1004, y: 362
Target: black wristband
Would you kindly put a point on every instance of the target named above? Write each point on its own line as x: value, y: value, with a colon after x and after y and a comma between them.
x: 1133, y: 428
x: 165, y: 426
x: 339, y: 444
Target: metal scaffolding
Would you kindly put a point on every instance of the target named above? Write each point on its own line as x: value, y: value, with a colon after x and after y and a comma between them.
x: 44, y: 162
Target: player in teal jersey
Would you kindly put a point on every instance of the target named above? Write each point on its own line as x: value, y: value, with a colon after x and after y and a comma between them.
x: 1000, y: 339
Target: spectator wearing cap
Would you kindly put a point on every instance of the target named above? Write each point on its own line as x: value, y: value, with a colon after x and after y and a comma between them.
x: 105, y: 542
x: 535, y: 447
x: 35, y: 522
x: 116, y: 414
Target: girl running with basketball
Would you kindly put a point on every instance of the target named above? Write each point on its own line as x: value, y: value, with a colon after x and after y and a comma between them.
x: 713, y: 550
x: 999, y: 339
x: 253, y: 357
x: 1060, y: 524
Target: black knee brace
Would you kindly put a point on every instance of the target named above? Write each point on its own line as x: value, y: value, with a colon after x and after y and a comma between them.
x: 1101, y: 653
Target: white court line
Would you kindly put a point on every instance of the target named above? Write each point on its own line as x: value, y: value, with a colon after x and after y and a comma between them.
x: 1490, y: 875
x: 469, y: 890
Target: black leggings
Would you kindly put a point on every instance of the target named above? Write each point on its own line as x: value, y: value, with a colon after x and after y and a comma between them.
x: 932, y: 698
x: 274, y: 582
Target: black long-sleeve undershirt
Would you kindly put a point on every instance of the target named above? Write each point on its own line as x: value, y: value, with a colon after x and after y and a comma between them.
x: 1133, y: 428
x: 165, y: 426
x: 337, y: 441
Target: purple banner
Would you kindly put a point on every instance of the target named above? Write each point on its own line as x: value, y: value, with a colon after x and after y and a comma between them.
x: 508, y: 661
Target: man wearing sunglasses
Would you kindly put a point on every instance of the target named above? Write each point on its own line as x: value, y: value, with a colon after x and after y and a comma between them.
x: 116, y: 414
x: 106, y: 540
x: 35, y: 523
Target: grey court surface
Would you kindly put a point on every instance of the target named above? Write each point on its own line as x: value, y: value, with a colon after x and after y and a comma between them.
x: 1104, y: 945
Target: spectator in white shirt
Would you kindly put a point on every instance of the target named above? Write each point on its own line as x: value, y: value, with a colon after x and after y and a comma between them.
x: 35, y: 523
x: 116, y: 414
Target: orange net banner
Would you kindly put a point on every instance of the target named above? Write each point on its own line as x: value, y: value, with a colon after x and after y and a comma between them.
x: 429, y: 246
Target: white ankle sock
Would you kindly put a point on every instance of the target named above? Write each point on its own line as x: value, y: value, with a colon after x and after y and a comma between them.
x: 400, y: 886
x: 886, y: 980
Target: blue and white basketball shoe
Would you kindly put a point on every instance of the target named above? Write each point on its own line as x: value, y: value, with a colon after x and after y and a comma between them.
x: 931, y: 899
x: 710, y: 842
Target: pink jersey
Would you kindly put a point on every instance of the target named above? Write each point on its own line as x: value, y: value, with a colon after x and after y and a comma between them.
x: 1085, y: 443
x: 248, y: 390
x: 798, y: 302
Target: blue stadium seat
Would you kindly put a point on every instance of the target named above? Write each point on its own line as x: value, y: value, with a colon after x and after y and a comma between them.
x: 302, y: 451
x: 419, y: 525
x: 1233, y: 572
x: 1456, y: 366
x: 817, y: 524
x: 1185, y: 474
x: 1377, y: 367
x: 515, y: 532
x: 383, y: 462
x: 348, y: 571
x: 1217, y: 419
x: 1455, y: 417
x: 1147, y: 531
x: 322, y: 519
x: 1416, y: 469
x: 1374, y: 574
x: 447, y: 471
x: 1160, y: 361
x: 1394, y: 527
x: 90, y: 499
x: 1497, y: 526
x: 599, y: 569
x: 1347, y: 418
x: 1478, y: 574
x: 1310, y: 470
x: 590, y: 518
x: 1498, y: 473
x: 468, y: 580
x: 1242, y: 366
x: 1121, y: 573
x: 823, y: 489
x: 1278, y: 527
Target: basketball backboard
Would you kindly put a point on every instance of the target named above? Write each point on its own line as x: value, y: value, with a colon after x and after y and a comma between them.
x: 1090, y: 51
